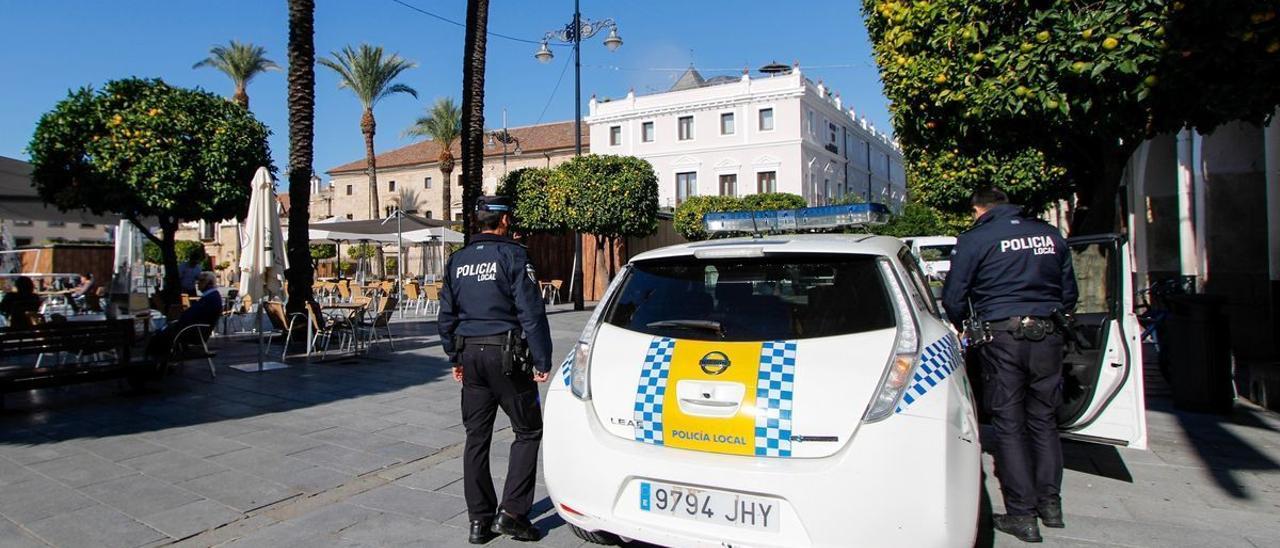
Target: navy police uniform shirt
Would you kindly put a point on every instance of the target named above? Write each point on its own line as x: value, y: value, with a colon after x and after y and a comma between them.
x: 490, y: 288
x: 1009, y: 265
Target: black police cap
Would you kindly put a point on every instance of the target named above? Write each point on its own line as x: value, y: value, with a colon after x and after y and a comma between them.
x: 497, y: 204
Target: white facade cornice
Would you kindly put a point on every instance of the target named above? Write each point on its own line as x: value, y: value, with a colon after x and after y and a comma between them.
x: 692, y: 106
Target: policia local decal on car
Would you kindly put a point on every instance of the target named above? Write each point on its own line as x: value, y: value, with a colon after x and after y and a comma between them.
x: 720, y: 397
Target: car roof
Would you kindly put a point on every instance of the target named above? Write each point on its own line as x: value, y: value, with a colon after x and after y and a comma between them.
x: 931, y: 240
x: 867, y: 244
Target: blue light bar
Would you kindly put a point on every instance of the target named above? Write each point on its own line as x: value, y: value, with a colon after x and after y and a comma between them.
x: 788, y: 220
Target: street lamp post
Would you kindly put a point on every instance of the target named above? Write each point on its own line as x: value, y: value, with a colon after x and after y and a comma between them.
x: 506, y: 138
x: 573, y: 33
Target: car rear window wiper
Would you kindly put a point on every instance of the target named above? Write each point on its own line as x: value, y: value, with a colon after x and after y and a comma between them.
x: 705, y: 325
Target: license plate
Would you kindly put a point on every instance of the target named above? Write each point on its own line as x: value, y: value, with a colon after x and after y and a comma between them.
x: 709, y: 506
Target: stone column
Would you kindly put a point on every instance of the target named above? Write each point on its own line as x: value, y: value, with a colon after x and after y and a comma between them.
x: 1190, y: 206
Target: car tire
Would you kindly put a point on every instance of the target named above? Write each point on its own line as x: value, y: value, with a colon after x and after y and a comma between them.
x: 595, y: 537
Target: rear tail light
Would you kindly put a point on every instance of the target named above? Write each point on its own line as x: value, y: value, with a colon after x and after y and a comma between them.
x: 906, y: 348
x: 580, y: 370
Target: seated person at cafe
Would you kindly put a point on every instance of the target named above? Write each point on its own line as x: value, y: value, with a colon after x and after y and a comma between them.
x: 79, y: 294
x: 206, y: 310
x: 18, y: 305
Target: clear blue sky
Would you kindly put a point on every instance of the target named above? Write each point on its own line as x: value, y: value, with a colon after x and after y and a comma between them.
x: 49, y: 47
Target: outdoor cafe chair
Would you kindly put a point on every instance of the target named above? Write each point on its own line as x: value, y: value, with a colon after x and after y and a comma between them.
x: 414, y: 298
x: 326, y: 326
x: 281, y: 324
x: 551, y: 291
x: 192, y: 343
x: 431, y: 297
x: 381, y: 320
x: 344, y: 290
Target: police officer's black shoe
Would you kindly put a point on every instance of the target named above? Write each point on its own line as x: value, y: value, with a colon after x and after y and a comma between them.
x: 1022, y: 527
x: 1051, y: 514
x: 518, y: 527
x: 481, y: 531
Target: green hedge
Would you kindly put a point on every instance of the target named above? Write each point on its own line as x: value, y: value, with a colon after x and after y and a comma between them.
x: 688, y: 217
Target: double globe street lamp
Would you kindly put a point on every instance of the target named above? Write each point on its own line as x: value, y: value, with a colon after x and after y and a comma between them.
x: 573, y: 33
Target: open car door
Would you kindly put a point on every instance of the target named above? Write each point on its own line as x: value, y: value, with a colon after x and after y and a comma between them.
x: 1102, y: 396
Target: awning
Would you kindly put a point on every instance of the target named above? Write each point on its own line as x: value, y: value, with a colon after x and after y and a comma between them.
x: 416, y: 230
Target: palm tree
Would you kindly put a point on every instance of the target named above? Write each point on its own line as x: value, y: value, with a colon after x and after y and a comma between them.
x: 442, y: 124
x: 302, y: 107
x: 370, y: 75
x: 473, y: 58
x: 241, y: 61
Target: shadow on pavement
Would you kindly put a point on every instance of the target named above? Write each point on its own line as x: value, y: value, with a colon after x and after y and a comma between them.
x: 986, y: 532
x: 1095, y: 459
x: 190, y: 397
x: 1223, y: 452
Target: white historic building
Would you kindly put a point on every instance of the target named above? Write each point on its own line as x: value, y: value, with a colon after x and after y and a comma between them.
x: 736, y: 136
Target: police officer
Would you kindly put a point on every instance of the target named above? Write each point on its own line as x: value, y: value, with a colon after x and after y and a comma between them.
x: 491, y: 297
x: 1013, y: 274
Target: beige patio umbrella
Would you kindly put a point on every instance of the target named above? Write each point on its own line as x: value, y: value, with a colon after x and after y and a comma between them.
x: 262, y: 256
x: 262, y: 245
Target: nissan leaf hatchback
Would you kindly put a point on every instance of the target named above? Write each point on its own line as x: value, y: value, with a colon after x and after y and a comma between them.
x: 794, y: 390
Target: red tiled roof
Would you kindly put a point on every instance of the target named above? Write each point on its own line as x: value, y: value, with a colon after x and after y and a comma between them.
x: 553, y: 136
x: 283, y: 200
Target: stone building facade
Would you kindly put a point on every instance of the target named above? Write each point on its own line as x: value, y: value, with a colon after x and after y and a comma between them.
x: 412, y: 173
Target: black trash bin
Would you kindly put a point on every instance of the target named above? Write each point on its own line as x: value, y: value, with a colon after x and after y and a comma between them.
x: 1198, y: 340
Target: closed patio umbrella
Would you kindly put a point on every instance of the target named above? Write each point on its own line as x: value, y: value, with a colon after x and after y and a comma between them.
x: 262, y: 249
x: 262, y: 254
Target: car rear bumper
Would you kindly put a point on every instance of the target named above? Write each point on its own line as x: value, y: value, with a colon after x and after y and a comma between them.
x: 905, y: 481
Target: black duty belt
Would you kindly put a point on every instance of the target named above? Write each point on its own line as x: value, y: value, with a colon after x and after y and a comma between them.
x: 487, y: 340
x: 1031, y: 328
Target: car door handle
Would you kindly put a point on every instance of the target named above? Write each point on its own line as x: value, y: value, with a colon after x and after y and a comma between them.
x: 708, y: 403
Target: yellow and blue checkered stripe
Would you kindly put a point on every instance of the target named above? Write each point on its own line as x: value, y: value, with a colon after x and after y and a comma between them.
x: 566, y: 368
x: 936, y: 363
x: 651, y: 390
x: 775, y: 387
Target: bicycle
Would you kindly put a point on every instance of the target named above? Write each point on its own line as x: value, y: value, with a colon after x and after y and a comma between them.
x: 1152, y: 310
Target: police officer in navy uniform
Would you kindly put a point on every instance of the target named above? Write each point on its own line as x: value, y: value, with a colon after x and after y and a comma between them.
x: 490, y: 290
x: 1013, y: 273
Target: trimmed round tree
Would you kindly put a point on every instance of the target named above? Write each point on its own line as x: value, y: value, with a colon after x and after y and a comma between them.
x: 541, y: 196
x: 152, y: 153
x: 612, y: 197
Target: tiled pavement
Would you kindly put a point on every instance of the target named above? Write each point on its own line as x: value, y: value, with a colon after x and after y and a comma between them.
x: 366, y: 453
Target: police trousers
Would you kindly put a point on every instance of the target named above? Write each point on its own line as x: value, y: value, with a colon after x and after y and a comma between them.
x: 1022, y: 383
x: 484, y: 389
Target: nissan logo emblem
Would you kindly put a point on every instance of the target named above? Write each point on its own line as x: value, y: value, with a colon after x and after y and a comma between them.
x: 714, y: 363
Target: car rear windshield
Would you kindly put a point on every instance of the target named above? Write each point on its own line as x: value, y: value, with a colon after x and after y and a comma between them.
x: 785, y: 296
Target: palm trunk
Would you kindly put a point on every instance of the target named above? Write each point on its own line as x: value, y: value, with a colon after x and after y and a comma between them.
x: 241, y: 97
x: 473, y: 60
x: 446, y: 195
x: 368, y: 126
x: 302, y: 102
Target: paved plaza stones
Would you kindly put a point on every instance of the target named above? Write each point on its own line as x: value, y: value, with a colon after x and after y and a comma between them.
x: 365, y: 452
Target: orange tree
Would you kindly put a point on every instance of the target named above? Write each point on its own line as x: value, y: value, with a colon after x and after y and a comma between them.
x: 152, y: 153
x: 1049, y: 98
x: 609, y: 197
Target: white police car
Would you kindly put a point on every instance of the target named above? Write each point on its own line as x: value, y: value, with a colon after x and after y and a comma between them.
x: 781, y: 390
